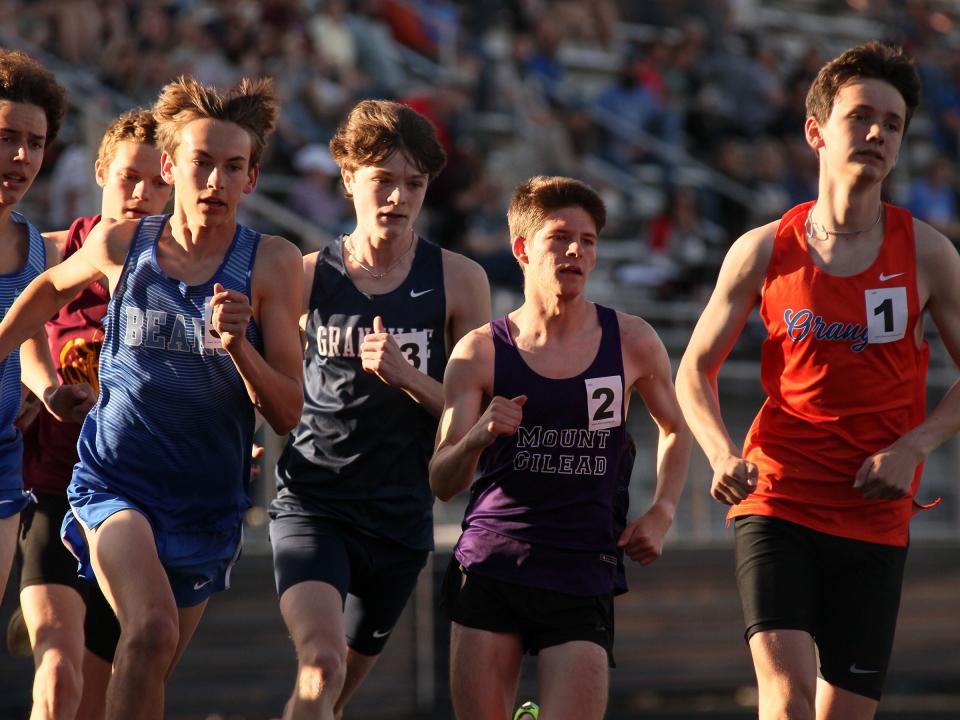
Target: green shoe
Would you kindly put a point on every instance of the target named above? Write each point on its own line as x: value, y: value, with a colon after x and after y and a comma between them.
x: 18, y: 640
x: 528, y: 711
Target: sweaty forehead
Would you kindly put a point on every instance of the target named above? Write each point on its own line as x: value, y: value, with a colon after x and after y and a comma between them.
x: 396, y: 163
x: 23, y: 117
x: 571, y: 219
x: 872, y: 92
x: 134, y: 152
x: 215, y: 137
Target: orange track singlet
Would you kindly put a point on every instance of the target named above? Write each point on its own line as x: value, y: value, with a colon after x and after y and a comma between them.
x: 844, y: 378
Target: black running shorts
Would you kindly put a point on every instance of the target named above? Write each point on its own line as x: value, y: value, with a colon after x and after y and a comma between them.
x: 542, y: 618
x: 375, y: 576
x: 45, y: 560
x: 845, y: 593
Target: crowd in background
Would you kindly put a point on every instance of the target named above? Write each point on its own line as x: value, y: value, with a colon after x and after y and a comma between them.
x: 687, y: 115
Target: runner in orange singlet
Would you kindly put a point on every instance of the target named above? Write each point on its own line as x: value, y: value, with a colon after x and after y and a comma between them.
x: 823, y: 491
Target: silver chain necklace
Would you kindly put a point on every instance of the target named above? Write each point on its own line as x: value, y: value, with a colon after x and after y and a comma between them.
x: 816, y: 230
x: 376, y: 274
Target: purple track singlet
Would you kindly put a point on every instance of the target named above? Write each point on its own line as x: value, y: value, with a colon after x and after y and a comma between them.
x: 541, y: 509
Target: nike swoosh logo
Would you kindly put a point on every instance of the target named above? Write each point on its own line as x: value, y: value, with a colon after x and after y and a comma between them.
x: 198, y: 585
x: 860, y: 671
x: 415, y: 294
x: 884, y: 278
x: 381, y: 633
x: 4, y: 502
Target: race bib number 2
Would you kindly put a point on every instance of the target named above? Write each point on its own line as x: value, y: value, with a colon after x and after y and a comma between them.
x: 604, y: 402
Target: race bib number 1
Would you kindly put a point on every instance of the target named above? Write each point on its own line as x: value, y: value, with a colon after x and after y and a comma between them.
x: 886, y: 314
x: 604, y: 402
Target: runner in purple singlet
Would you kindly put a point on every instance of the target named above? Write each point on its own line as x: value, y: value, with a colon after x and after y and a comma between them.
x: 535, y: 405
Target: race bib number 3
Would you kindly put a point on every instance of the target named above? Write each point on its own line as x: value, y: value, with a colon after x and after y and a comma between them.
x: 414, y: 347
x: 886, y: 314
x: 604, y: 402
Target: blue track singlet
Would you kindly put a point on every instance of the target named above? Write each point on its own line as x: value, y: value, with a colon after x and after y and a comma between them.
x: 12, y: 497
x: 172, y: 429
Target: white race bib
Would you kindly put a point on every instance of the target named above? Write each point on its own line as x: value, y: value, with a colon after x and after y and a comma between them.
x: 211, y: 338
x: 415, y: 347
x: 604, y: 402
x: 886, y: 314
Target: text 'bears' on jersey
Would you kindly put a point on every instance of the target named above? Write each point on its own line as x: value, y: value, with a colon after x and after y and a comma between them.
x: 160, y: 330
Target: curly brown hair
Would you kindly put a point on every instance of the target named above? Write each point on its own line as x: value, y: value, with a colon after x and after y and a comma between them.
x: 252, y: 104
x: 537, y: 197
x: 135, y: 125
x: 375, y: 129
x: 24, y: 80
x: 872, y: 60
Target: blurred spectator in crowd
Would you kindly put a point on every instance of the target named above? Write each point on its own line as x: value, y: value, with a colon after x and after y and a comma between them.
x: 800, y: 179
x: 933, y: 198
x: 487, y: 239
x: 694, y: 245
x: 742, y: 92
x: 541, y: 140
x: 198, y: 52
x: 770, y: 196
x: 446, y: 105
x: 941, y: 86
x: 70, y: 188
x: 544, y: 61
x: 589, y: 23
x: 316, y: 194
x: 733, y: 161
x: 634, y: 106
x: 333, y: 38
x: 704, y: 76
x: 683, y: 68
x: 378, y: 55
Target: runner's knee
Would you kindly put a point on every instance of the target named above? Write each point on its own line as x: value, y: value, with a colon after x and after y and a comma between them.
x: 320, y: 676
x: 154, y: 634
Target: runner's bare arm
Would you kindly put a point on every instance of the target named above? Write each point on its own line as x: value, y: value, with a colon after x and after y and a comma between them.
x: 57, y: 241
x: 737, y: 292
x: 647, y: 359
x: 102, y: 255
x: 466, y: 427
x: 274, y: 380
x: 37, y: 371
x: 309, y: 271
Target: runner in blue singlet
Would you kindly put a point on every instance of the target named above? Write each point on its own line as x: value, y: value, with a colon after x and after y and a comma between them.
x: 201, y: 330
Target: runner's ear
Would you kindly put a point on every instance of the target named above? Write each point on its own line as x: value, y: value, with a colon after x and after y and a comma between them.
x: 520, y: 248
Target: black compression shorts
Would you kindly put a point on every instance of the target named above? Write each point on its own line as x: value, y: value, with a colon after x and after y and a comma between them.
x: 845, y: 593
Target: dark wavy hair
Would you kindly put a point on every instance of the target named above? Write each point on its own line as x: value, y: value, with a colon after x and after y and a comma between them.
x: 24, y: 80
x: 871, y: 60
x: 376, y: 129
